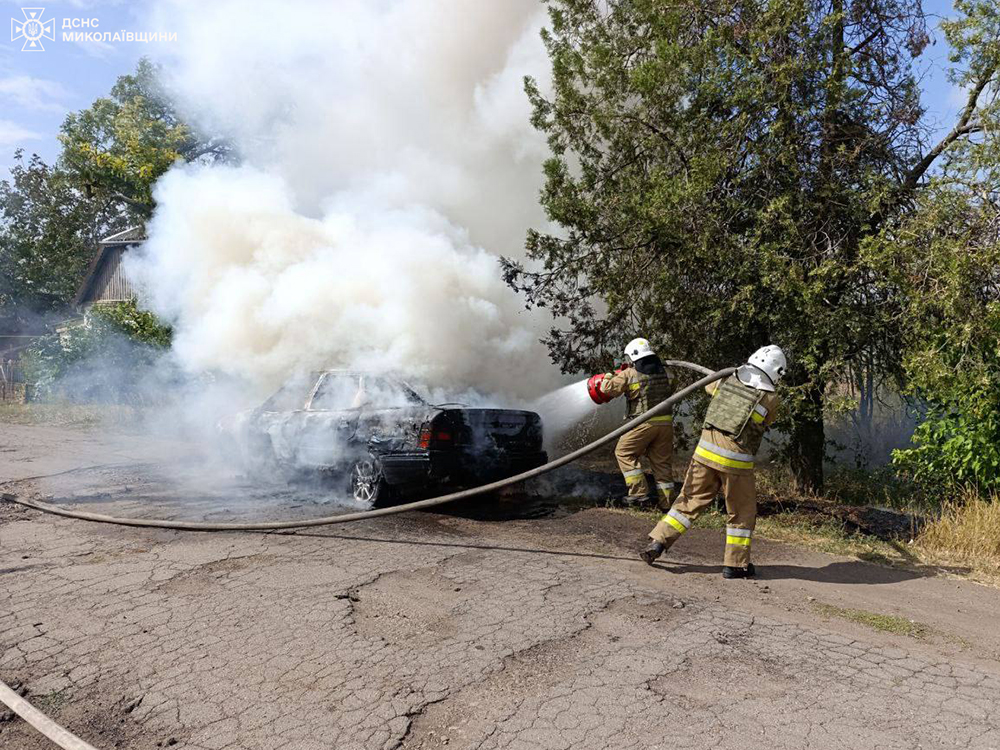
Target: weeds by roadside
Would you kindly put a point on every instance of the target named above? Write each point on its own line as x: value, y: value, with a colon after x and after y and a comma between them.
x: 874, y: 620
x: 816, y: 532
x: 67, y: 414
x: 967, y: 532
x: 877, y: 488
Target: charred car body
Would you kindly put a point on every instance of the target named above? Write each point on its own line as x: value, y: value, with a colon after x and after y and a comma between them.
x: 385, y: 437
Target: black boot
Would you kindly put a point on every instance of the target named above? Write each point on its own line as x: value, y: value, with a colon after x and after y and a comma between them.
x: 633, y: 501
x: 747, y: 572
x: 653, y: 551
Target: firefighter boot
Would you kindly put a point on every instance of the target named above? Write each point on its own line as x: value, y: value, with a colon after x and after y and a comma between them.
x: 653, y: 551
x: 731, y: 572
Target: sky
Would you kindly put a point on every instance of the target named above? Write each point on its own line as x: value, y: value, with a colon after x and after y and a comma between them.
x: 38, y: 88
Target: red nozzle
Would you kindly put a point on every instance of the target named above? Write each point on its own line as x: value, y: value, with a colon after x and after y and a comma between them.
x: 594, y: 389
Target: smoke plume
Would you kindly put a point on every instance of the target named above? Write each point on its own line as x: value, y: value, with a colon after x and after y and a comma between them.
x: 387, y: 161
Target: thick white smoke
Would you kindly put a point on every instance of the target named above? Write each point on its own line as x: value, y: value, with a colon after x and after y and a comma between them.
x: 388, y: 161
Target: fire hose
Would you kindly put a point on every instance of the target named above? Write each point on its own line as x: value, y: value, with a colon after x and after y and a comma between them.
x: 63, y: 738
x: 68, y: 741
x: 710, y: 377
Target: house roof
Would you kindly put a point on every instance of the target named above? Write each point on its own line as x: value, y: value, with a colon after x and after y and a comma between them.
x: 130, y: 236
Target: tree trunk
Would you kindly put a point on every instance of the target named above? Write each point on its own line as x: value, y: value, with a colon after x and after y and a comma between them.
x: 808, y: 437
x: 808, y: 441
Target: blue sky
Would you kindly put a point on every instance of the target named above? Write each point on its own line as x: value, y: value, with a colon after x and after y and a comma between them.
x: 38, y: 88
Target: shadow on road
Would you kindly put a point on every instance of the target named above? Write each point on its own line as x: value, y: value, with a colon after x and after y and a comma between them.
x: 457, y: 545
x: 836, y: 572
x: 849, y: 572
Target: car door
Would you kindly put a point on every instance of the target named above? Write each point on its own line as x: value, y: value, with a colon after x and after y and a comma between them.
x: 327, y: 426
x: 275, y: 425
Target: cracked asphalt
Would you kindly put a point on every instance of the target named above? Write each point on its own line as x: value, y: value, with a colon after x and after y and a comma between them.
x: 460, y: 630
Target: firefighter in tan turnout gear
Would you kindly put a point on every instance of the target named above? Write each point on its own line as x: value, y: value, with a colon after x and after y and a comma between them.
x: 644, y: 384
x: 742, y: 408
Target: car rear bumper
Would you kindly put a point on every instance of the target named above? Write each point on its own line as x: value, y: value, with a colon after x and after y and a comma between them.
x: 457, y: 468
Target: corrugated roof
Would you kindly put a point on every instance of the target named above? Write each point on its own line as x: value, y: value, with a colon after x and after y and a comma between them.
x: 132, y: 234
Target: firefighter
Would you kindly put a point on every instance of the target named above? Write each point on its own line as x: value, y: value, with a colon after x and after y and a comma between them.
x: 742, y: 408
x: 644, y: 382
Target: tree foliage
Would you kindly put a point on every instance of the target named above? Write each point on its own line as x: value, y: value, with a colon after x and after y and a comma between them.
x: 946, y: 260
x: 119, y: 146
x: 52, y: 217
x: 721, y: 172
x: 48, y: 232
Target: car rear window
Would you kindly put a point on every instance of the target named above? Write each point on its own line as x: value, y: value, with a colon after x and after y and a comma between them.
x: 383, y: 393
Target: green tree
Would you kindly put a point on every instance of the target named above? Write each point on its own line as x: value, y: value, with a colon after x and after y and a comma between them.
x: 945, y: 259
x: 719, y: 170
x: 118, y: 147
x: 51, y: 218
x: 48, y: 232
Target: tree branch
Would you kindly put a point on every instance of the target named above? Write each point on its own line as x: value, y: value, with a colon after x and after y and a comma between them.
x: 864, y: 42
x: 964, y: 126
x: 663, y: 136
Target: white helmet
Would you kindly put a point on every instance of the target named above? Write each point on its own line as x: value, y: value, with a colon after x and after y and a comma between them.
x: 764, y: 369
x: 638, y: 348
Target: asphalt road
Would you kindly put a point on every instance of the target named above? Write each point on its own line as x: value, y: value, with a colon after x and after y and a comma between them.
x: 465, y: 630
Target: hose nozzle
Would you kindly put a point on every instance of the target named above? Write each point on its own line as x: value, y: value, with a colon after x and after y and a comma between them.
x: 594, y: 389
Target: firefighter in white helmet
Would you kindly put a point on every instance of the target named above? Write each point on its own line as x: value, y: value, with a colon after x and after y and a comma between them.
x: 644, y: 382
x: 742, y: 408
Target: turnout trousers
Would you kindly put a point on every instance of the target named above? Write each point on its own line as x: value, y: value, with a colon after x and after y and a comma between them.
x: 656, y: 443
x: 701, y: 485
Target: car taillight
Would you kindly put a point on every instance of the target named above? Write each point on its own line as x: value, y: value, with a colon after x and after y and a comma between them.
x: 424, y: 441
x: 430, y: 437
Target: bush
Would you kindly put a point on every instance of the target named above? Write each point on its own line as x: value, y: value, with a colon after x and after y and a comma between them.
x: 126, y: 318
x: 114, y: 355
x: 957, y: 444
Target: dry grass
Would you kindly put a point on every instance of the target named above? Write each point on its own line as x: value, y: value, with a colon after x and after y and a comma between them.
x: 966, y: 533
x: 806, y: 530
x: 963, y: 542
x: 67, y: 415
x: 879, y: 488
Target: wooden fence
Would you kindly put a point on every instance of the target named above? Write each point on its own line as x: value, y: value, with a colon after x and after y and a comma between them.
x: 12, y: 385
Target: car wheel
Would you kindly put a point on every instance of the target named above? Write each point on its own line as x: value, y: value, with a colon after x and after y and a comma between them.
x: 368, y: 483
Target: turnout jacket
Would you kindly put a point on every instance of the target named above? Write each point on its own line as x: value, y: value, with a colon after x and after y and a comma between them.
x: 641, y: 391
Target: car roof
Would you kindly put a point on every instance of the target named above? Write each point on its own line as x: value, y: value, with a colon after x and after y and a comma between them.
x: 394, y: 379
x: 345, y: 371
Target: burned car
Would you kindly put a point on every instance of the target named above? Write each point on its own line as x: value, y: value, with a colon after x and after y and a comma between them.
x: 381, y: 436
